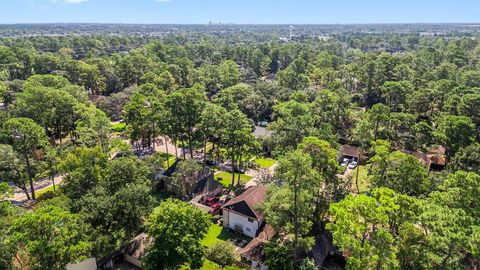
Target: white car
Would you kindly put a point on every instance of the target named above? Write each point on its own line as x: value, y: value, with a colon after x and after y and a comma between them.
x: 353, y: 165
x: 345, y: 162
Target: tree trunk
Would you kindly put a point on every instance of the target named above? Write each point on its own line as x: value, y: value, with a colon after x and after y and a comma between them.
x: 53, y: 181
x: 233, y: 166
x: 166, y: 149
x: 30, y: 176
x: 190, y: 147
x: 176, y: 149
x: 25, y: 190
x: 205, y: 152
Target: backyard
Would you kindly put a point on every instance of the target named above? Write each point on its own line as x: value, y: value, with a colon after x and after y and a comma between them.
x: 225, y: 178
x: 363, y: 182
x: 265, y: 162
x: 218, y: 233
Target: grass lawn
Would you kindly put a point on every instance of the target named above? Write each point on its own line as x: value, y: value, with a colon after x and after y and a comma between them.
x: 225, y: 178
x: 363, y: 182
x: 265, y: 162
x: 218, y: 233
x: 209, y: 265
x: 39, y: 193
x: 169, y: 159
x: 215, y: 235
x: 120, y: 127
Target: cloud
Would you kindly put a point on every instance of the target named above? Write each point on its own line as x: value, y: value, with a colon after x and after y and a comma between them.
x: 70, y: 1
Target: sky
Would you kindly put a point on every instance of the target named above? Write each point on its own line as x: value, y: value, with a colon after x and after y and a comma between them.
x: 240, y: 11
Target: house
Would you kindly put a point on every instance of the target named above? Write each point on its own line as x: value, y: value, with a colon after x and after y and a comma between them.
x: 422, y: 157
x: 437, y: 157
x: 128, y: 257
x: 240, y: 213
x: 351, y: 152
x: 204, y: 183
x: 324, y: 253
x: 253, y: 254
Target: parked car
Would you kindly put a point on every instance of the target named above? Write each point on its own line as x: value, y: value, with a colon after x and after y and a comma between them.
x: 353, y: 165
x: 215, y: 209
x: 263, y: 123
x: 345, y: 162
x: 212, y: 200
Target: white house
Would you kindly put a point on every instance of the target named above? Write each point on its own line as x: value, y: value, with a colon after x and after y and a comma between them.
x: 239, y: 213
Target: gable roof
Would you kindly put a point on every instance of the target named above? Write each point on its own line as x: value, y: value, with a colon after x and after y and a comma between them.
x: 422, y: 157
x: 245, y: 203
x: 351, y: 151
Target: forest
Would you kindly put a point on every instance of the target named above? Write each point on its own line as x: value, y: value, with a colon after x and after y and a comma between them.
x: 88, y: 122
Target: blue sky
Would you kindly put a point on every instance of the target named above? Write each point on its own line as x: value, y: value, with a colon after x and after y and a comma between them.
x: 240, y: 11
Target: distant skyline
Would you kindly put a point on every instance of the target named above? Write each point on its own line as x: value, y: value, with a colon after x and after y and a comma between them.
x: 239, y: 11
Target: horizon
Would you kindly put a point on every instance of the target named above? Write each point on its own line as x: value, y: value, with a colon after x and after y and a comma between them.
x: 240, y: 12
x: 240, y: 24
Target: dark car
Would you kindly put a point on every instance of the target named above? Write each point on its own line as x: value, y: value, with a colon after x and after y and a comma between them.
x: 212, y: 200
x: 215, y: 209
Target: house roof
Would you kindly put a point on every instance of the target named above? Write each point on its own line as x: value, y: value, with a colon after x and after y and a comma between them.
x: 245, y: 203
x: 437, y: 155
x: 422, y: 157
x: 351, y: 151
x: 255, y: 249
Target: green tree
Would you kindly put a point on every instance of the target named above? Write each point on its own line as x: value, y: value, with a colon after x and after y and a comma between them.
x: 293, y: 122
x: 237, y: 138
x: 29, y: 142
x: 365, y: 227
x: 185, y: 177
x: 50, y: 238
x: 176, y: 229
x: 466, y: 159
x: 82, y: 170
x: 12, y: 169
x: 400, y: 172
x: 455, y: 132
x: 93, y: 128
x: 279, y: 256
x: 6, y: 212
x: 299, y: 178
x: 223, y: 254
x: 185, y: 109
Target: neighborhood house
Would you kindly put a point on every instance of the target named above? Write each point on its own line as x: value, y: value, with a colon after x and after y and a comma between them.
x: 240, y: 215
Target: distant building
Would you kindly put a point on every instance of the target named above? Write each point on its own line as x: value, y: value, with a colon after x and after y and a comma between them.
x: 351, y: 152
x: 253, y: 255
x: 240, y: 213
x: 422, y: 157
x: 205, y: 183
x: 437, y: 157
x: 128, y: 257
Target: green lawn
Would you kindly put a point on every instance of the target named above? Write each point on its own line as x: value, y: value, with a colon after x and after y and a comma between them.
x: 170, y: 161
x: 209, y: 265
x: 363, y: 182
x: 265, y: 162
x: 217, y: 234
x: 120, y: 127
x: 40, y: 192
x: 226, y: 178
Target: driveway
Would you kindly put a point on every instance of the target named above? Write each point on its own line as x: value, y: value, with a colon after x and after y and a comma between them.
x: 19, y: 195
x: 256, y: 174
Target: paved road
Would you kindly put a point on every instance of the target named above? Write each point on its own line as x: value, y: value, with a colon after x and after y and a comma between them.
x: 39, y: 185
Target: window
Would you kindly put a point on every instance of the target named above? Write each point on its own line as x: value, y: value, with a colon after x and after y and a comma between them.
x: 250, y: 220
